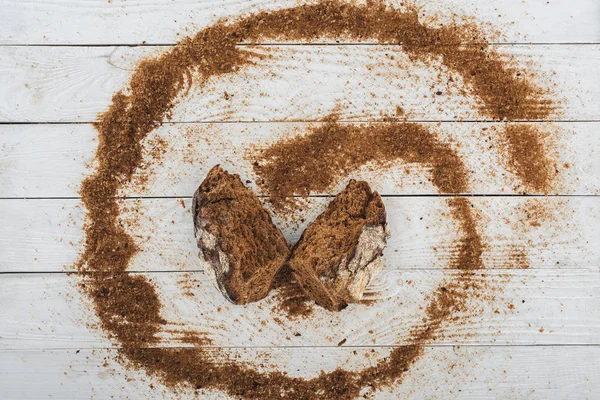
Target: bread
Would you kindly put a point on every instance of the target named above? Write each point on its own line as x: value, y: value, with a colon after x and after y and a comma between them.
x: 242, y: 247
x: 340, y: 252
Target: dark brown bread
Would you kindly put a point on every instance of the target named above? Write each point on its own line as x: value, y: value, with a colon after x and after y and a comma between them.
x: 242, y: 247
x: 340, y: 251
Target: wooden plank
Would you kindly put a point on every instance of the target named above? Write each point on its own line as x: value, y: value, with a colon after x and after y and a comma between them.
x: 537, y: 337
x: 27, y: 151
x: 45, y: 235
x: 74, y: 84
x: 138, y: 21
x: 44, y: 160
x: 465, y: 372
x: 44, y: 311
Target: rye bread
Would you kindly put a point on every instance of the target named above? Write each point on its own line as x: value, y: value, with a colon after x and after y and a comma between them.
x: 242, y: 247
x: 340, y: 252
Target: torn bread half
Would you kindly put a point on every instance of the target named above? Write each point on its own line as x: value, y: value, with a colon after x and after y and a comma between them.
x: 340, y: 252
x: 242, y: 247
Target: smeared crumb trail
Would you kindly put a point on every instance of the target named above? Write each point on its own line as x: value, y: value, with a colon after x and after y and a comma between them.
x: 128, y: 306
x: 527, y: 157
x: 318, y: 160
x: 291, y: 299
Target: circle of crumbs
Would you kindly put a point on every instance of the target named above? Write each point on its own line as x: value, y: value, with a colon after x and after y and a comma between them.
x: 128, y: 306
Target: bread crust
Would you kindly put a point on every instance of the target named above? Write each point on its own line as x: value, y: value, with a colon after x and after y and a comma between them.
x: 242, y: 248
x: 340, y: 252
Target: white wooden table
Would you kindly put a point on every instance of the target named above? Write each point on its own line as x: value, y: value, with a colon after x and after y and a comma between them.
x: 61, y: 61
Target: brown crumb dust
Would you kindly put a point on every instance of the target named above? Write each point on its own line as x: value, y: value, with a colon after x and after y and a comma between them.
x: 291, y: 299
x: 318, y: 160
x: 527, y: 157
x: 193, y: 338
x: 536, y: 212
x: 128, y: 305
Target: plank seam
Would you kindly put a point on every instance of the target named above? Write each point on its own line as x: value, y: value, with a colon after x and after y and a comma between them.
x: 290, y: 121
x: 199, y: 271
x: 245, y: 44
x: 441, y: 195
x: 431, y: 346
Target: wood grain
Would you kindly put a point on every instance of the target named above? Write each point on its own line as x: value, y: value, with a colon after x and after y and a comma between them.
x: 152, y: 21
x: 548, y: 307
x: 51, y: 160
x: 465, y: 372
x: 295, y: 83
x: 537, y: 335
x: 45, y: 235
